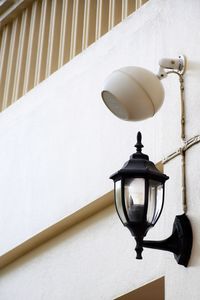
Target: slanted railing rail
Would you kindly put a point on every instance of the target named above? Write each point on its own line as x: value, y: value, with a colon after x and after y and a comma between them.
x: 38, y: 37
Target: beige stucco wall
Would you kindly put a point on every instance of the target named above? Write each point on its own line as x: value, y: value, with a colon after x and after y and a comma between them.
x: 58, y: 146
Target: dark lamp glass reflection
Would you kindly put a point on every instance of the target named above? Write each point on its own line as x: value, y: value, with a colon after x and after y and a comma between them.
x: 134, y: 198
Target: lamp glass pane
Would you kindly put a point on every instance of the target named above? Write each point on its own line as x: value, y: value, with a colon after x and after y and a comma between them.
x: 118, y: 201
x: 134, y: 192
x: 155, y: 201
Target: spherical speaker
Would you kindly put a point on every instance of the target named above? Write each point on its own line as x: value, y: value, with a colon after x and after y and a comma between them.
x: 133, y: 93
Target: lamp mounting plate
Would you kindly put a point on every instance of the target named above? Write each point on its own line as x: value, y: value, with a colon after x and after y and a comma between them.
x: 179, y: 243
x: 182, y: 229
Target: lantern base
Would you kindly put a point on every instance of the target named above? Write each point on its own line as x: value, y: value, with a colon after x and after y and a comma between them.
x: 179, y: 243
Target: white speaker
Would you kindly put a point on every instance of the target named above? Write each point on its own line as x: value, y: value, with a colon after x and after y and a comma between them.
x: 133, y: 93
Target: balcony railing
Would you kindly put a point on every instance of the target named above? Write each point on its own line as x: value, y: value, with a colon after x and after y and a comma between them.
x: 38, y: 37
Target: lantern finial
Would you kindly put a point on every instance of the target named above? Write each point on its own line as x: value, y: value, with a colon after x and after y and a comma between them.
x: 139, y: 145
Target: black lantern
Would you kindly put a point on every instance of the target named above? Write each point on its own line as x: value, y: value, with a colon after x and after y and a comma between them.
x: 139, y: 199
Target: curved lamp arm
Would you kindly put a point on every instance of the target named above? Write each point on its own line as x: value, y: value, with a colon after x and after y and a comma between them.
x: 179, y: 243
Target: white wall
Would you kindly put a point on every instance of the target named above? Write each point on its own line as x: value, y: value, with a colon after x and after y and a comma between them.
x: 56, y: 142
x: 58, y: 146
x: 87, y: 262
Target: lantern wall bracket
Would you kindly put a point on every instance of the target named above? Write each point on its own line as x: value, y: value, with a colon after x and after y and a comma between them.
x: 179, y: 243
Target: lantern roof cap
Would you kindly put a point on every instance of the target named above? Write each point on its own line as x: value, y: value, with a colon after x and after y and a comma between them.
x: 139, y: 165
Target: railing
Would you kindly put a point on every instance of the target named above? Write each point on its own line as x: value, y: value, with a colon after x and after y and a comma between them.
x: 38, y: 37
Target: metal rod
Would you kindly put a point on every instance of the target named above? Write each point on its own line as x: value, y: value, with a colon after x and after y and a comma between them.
x: 181, y: 151
x: 181, y: 80
x: 187, y: 145
x: 182, y: 89
x: 183, y: 178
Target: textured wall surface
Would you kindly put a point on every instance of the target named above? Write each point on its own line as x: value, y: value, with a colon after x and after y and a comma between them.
x: 57, y: 158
